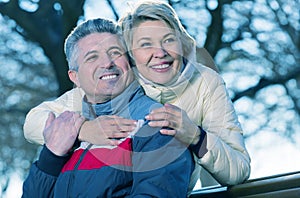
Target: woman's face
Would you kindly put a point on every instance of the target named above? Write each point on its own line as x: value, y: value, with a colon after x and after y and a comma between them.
x: 157, y: 51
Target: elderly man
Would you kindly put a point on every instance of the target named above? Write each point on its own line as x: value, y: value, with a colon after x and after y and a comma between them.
x: 146, y: 163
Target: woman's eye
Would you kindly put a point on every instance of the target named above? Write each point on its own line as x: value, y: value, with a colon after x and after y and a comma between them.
x: 169, y: 40
x: 146, y: 44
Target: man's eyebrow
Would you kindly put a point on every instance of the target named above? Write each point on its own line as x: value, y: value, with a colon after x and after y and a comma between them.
x: 115, y: 47
x: 90, y: 52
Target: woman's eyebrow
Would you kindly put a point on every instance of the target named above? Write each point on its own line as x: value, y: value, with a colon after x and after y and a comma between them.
x: 149, y: 38
x: 169, y: 34
x: 143, y: 38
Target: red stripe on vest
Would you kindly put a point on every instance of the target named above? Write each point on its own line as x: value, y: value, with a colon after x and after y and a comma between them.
x: 99, y: 157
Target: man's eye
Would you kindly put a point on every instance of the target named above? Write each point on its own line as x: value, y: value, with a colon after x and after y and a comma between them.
x: 115, y: 53
x: 91, y: 58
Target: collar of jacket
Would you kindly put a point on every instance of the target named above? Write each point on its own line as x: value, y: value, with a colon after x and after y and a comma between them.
x: 116, y: 106
x: 167, y: 93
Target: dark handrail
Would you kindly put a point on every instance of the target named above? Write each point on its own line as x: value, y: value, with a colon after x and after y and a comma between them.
x: 281, y: 185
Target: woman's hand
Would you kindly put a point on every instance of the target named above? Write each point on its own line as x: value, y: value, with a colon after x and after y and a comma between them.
x: 60, y: 133
x: 173, y: 117
x: 106, y: 130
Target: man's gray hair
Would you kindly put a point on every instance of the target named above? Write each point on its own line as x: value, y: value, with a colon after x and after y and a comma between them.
x: 86, y: 28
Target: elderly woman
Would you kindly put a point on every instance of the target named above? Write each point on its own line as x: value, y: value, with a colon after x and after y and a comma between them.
x: 197, y: 107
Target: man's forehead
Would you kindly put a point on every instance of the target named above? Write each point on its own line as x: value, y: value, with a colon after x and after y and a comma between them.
x: 103, y: 40
x: 107, y: 39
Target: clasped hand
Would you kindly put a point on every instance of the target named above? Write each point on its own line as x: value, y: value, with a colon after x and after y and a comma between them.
x: 61, y: 132
x: 106, y: 130
x: 171, y: 116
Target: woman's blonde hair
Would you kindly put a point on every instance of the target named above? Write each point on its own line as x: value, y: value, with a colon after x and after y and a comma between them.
x: 156, y: 10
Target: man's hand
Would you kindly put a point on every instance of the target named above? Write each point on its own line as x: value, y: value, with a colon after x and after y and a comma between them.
x: 105, y: 130
x: 183, y: 128
x: 60, y: 133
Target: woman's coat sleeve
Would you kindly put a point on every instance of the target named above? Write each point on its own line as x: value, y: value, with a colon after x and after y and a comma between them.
x: 227, y: 158
x: 36, y: 117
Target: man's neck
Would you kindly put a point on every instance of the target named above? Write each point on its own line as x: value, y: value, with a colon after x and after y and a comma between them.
x: 114, y: 106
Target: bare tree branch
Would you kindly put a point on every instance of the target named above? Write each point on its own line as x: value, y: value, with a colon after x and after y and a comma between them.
x: 109, y: 2
x: 251, y: 92
x: 48, y: 27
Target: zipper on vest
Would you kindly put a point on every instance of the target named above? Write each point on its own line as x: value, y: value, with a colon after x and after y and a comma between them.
x: 72, y: 177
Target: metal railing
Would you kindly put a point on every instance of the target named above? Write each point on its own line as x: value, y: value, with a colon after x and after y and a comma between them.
x: 282, y: 185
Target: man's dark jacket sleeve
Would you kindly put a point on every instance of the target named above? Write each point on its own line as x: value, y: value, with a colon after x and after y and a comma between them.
x: 43, y: 175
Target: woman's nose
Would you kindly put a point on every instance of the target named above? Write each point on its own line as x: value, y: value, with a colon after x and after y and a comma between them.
x: 159, y: 52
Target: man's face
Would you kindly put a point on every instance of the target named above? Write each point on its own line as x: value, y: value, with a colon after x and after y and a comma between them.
x: 104, y: 71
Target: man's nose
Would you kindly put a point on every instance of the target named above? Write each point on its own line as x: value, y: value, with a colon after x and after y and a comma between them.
x: 106, y: 61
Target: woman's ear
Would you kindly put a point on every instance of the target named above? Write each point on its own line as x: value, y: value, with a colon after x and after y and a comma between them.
x: 73, y: 75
